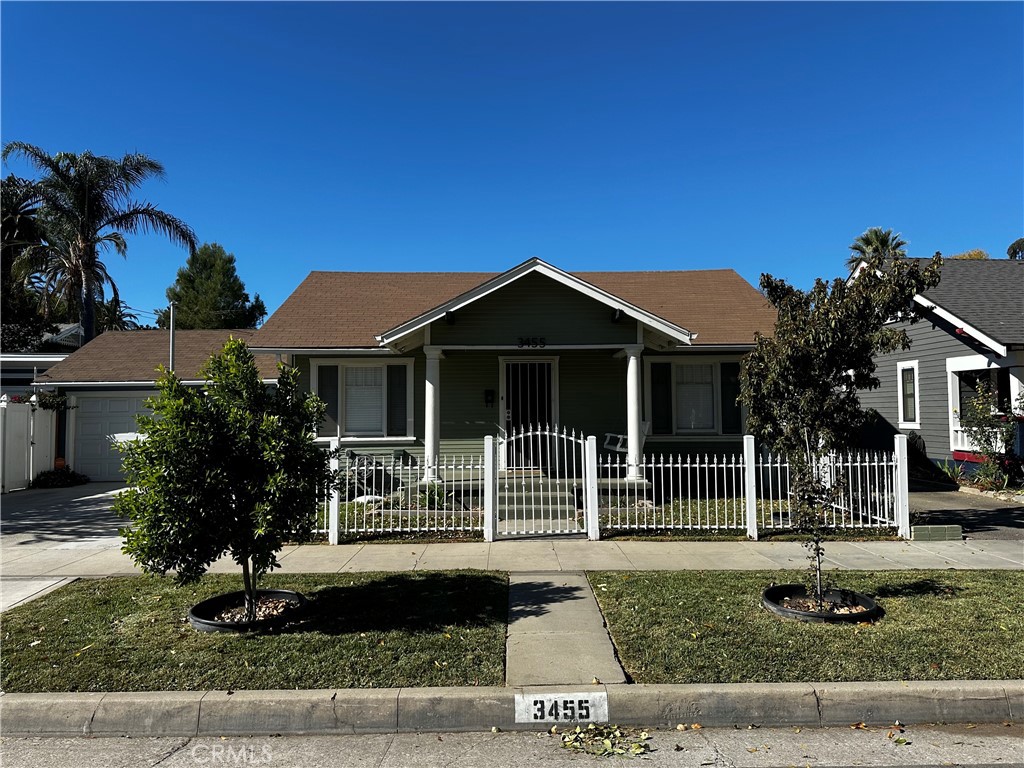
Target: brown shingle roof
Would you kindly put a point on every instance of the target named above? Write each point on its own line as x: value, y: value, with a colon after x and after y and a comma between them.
x: 348, y: 309
x: 133, y: 356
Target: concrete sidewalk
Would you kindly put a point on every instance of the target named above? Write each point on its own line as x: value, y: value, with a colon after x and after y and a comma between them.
x: 91, y: 558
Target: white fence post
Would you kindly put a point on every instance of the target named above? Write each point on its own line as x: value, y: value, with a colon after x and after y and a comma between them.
x: 590, y: 497
x: 750, y: 485
x: 3, y: 444
x: 334, y: 504
x: 902, y: 487
x: 490, y: 518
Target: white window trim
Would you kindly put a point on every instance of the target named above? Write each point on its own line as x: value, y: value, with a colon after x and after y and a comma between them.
x: 362, y: 362
x: 715, y: 362
x: 903, y: 422
x: 953, y: 366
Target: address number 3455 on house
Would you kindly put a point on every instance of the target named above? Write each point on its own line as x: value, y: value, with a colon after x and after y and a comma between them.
x: 586, y: 707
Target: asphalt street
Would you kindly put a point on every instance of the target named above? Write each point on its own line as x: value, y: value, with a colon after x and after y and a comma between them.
x: 961, y: 745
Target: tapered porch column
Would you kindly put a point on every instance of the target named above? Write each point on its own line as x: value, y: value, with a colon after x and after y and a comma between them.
x: 432, y: 413
x: 633, y: 412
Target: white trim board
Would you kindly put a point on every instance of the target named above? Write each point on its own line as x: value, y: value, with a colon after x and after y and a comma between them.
x: 671, y: 330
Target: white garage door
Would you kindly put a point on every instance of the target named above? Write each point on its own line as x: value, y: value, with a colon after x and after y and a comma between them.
x: 96, y: 418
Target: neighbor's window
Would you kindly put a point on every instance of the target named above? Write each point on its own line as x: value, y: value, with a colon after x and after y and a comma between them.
x: 907, y: 381
x: 365, y: 399
x: 695, y: 398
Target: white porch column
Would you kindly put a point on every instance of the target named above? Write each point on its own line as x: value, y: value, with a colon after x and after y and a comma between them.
x: 633, y: 412
x: 432, y: 413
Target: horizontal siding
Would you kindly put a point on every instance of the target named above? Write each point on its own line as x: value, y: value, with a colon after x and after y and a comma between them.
x: 534, y: 306
x: 930, y: 345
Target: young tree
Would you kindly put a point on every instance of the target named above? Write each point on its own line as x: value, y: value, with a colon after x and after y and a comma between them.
x: 209, y: 294
x: 228, y: 468
x: 992, y: 428
x: 86, y: 206
x: 800, y: 385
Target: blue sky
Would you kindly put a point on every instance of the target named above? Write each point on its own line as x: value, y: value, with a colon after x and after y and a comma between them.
x: 472, y: 136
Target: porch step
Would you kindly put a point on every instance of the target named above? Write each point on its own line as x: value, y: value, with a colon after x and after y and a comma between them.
x: 536, y: 499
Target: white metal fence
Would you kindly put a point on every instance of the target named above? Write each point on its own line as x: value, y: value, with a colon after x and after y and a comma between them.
x: 746, y: 492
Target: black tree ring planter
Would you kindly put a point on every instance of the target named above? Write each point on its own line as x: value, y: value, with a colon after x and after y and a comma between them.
x: 776, y: 599
x: 203, y: 615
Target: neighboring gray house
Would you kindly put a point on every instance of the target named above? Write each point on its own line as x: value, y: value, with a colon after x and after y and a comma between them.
x: 430, y: 363
x: 971, y: 328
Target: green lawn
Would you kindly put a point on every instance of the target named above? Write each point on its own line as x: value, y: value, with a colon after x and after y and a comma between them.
x: 364, y: 630
x: 710, y: 627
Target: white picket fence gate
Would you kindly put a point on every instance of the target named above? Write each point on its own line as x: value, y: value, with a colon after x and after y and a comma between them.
x: 567, y: 489
x: 26, y: 443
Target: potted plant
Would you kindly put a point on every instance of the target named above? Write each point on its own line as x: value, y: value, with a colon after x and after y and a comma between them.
x: 800, y: 389
x: 230, y: 467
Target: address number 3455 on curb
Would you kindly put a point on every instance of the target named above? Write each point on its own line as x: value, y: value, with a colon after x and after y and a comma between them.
x: 587, y: 707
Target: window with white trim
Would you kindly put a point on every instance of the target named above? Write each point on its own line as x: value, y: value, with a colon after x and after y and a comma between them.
x: 365, y: 399
x: 909, y: 400
x: 694, y: 398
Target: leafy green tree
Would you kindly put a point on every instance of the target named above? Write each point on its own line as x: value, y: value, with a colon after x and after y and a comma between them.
x: 209, y: 294
x: 800, y: 385
x: 20, y: 307
x: 228, y: 468
x: 875, y: 242
x: 1016, y: 249
x: 87, y: 207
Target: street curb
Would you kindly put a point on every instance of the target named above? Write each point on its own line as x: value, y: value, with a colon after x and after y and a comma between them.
x: 398, y: 710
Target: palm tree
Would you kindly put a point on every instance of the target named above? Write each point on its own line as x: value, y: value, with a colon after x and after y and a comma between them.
x: 86, y: 208
x: 875, y: 242
x: 115, y: 315
x: 23, y: 322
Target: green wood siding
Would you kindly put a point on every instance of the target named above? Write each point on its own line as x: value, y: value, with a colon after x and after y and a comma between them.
x: 534, y: 306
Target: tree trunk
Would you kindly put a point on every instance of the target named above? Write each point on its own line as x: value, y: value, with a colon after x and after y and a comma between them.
x: 250, y: 591
x: 88, y: 311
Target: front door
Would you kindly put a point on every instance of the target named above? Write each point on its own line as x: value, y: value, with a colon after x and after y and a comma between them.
x: 528, y: 402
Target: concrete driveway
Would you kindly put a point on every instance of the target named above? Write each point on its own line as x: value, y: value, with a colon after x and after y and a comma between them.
x: 981, y: 517
x: 53, y: 527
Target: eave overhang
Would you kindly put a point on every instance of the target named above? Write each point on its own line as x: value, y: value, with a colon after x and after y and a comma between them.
x: 681, y: 335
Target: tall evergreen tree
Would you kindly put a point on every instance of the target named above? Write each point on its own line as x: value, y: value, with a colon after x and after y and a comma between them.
x: 208, y: 293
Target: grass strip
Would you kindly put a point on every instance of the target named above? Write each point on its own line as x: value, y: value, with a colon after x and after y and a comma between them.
x: 364, y: 630
x: 710, y: 627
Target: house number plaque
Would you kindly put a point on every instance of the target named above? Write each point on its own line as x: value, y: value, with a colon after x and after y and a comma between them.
x: 531, y: 342
x: 589, y: 707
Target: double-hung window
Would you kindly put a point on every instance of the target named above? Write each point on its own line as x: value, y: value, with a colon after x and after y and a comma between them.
x: 365, y: 399
x: 694, y: 397
x: 909, y: 401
